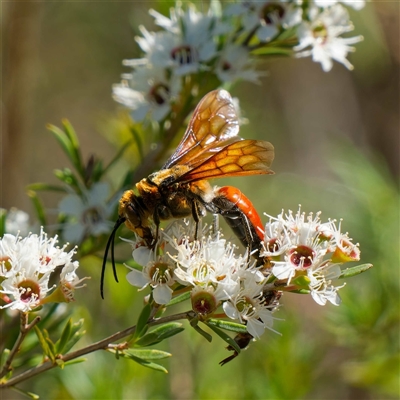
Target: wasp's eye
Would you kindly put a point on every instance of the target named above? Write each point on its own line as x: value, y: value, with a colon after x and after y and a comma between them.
x: 132, y: 214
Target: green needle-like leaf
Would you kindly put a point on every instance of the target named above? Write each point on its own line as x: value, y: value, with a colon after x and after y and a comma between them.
x: 68, y: 177
x: 227, y: 325
x: 352, y: 271
x: 146, y: 363
x: 74, y: 335
x: 44, y: 343
x: 64, y: 139
x: 141, y: 326
x: 271, y: 51
x: 203, y: 333
x: 179, y: 299
x: 73, y: 139
x: 76, y: 361
x: 148, y: 354
x: 160, y: 333
x: 138, y: 140
x: 65, y: 336
x: 224, y: 337
x: 30, y: 395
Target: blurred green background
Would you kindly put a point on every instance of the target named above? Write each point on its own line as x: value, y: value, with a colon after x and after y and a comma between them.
x: 336, y: 136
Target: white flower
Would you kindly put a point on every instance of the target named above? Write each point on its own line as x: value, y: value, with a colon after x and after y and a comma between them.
x: 321, y: 39
x: 307, y: 252
x: 159, y: 274
x: 320, y: 283
x: 38, y: 247
x: 186, y: 45
x: 340, y: 244
x: 50, y: 255
x: 247, y: 305
x: 268, y: 17
x: 209, y: 261
x: 276, y: 239
x: 303, y: 248
x: 234, y: 63
x: 149, y: 92
x: 181, y: 229
x: 26, y: 286
x: 26, y: 265
x: 87, y: 213
x: 194, y: 42
x: 69, y: 280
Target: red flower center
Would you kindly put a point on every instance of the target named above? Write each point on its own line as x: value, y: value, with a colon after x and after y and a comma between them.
x: 159, y: 93
x: 183, y: 55
x: 272, y: 245
x: 302, y: 256
x: 29, y: 290
x: 204, y: 303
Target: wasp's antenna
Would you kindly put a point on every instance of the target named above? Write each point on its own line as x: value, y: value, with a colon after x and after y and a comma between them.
x: 110, y: 242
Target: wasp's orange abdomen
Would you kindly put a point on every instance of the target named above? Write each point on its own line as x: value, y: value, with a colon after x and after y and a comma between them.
x: 235, y: 196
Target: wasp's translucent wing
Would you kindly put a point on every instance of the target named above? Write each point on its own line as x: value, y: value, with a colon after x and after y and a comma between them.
x: 213, y: 126
x: 245, y: 157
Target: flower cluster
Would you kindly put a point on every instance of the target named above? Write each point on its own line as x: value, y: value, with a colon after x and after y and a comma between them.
x: 26, y: 267
x: 307, y: 253
x: 320, y: 36
x: 210, y: 270
x: 221, y: 45
x: 299, y: 252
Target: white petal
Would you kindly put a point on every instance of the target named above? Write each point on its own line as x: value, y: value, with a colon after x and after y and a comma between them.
x: 99, y: 193
x: 318, y: 298
x: 334, y: 298
x: 266, y: 32
x: 266, y: 317
x: 136, y: 278
x: 282, y: 271
x: 160, y: 112
x: 142, y: 255
x: 71, y: 205
x: 230, y: 310
x: 255, y: 327
x: 162, y: 294
x: 73, y: 232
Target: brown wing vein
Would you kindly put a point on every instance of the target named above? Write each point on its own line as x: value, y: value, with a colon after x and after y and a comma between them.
x: 214, y: 125
x: 246, y: 157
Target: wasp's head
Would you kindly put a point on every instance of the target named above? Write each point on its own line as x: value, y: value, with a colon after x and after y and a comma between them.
x: 135, y: 215
x: 131, y: 209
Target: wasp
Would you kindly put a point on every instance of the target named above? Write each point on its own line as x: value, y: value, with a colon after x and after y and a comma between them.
x: 210, y: 148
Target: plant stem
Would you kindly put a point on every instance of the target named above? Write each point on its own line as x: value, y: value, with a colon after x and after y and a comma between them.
x: 100, y: 345
x: 24, y: 330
